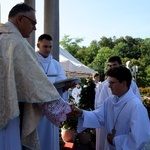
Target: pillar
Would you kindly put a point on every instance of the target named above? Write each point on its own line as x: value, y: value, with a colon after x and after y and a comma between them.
x: 51, y: 24
x: 31, y: 39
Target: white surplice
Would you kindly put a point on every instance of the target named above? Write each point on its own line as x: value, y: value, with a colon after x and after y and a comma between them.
x: 76, y: 94
x: 49, y: 133
x: 97, y: 84
x: 132, y: 121
x: 103, y: 92
x: 22, y: 81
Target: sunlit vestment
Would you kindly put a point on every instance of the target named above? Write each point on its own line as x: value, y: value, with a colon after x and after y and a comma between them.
x: 76, y: 94
x: 48, y: 132
x: 22, y: 80
x: 103, y: 92
x: 132, y: 121
x: 97, y: 84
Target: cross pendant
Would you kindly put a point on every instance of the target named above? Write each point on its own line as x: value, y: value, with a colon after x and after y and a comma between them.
x: 113, y: 131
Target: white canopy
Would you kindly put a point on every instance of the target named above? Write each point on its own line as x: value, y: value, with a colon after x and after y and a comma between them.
x: 72, y: 66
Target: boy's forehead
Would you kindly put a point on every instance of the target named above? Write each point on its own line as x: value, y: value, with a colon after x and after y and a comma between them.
x: 111, y: 79
x: 115, y: 63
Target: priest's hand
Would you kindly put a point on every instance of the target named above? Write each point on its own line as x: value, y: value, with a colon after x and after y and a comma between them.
x: 76, y: 112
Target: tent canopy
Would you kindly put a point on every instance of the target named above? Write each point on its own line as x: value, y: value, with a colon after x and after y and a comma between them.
x: 72, y: 66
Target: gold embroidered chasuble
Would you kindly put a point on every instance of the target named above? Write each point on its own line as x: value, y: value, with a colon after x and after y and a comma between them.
x: 22, y: 80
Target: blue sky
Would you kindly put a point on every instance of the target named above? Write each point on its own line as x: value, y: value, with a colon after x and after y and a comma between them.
x: 92, y: 19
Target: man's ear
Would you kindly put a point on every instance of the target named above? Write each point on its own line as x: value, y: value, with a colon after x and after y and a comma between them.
x: 19, y: 19
x: 38, y: 44
x: 124, y: 83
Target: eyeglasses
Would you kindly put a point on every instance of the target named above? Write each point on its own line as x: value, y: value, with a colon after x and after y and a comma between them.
x: 32, y: 21
x: 112, y: 83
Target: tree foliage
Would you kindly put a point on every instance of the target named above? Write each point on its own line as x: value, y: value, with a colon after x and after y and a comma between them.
x: 100, y: 60
x: 135, y: 50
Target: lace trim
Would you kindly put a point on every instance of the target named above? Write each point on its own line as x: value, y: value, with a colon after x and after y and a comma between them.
x: 56, y: 111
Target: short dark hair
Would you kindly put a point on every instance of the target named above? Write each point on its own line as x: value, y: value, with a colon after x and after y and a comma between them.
x: 20, y: 8
x: 115, y: 58
x: 95, y: 74
x: 121, y: 73
x: 45, y: 36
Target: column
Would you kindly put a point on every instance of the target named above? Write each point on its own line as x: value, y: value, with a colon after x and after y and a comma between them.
x: 31, y: 39
x: 51, y: 24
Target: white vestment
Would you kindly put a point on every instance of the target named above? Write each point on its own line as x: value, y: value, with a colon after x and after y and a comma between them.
x: 23, y: 82
x: 97, y: 84
x: 76, y: 94
x: 103, y: 92
x: 49, y: 133
x: 128, y: 115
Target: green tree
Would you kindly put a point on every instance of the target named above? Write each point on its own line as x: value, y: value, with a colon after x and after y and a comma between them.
x: 94, y: 47
x: 99, y: 62
x: 122, y: 49
x: 145, y: 48
x: 134, y: 47
x: 71, y: 44
x: 95, y: 56
x: 118, y: 40
x: 106, y: 42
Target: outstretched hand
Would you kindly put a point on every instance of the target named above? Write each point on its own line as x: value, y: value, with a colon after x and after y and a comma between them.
x: 76, y: 112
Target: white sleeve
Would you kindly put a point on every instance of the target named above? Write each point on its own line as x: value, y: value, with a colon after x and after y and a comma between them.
x: 91, y: 119
x: 74, y: 94
x: 135, y: 89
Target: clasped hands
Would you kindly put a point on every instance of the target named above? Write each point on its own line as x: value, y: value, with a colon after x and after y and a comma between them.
x: 75, y: 111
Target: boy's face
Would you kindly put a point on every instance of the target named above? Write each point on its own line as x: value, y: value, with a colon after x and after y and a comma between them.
x: 45, y: 47
x: 78, y: 85
x: 96, y: 78
x: 112, y: 64
x: 116, y: 87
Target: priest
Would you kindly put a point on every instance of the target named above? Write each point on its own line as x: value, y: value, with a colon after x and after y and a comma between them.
x: 25, y: 91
